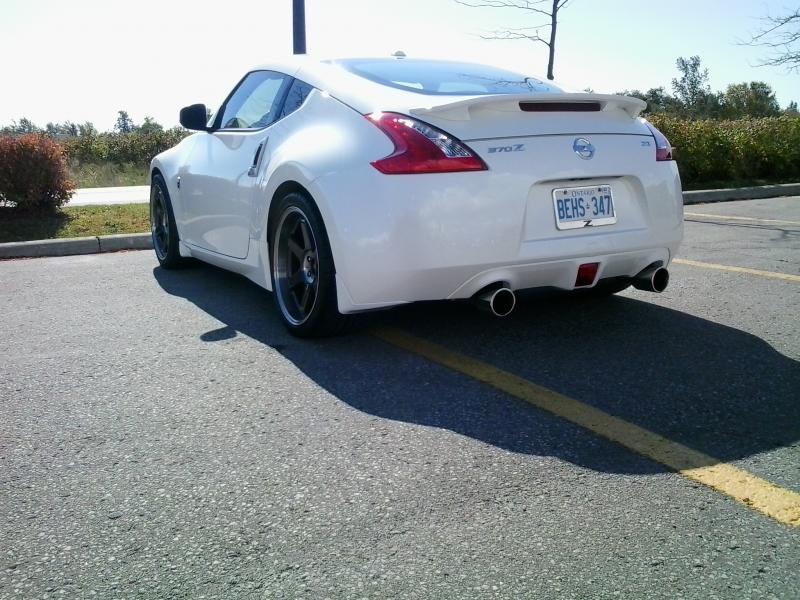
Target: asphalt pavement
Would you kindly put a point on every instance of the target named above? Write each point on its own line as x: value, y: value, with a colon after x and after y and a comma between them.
x: 162, y: 436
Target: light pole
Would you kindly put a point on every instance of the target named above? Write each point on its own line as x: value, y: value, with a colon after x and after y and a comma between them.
x: 299, y: 26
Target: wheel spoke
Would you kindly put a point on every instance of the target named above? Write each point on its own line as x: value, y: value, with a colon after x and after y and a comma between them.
x: 307, y: 245
x: 305, y: 299
x: 295, y: 249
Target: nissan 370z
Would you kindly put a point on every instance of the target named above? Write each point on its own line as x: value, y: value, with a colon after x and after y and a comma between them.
x: 359, y: 184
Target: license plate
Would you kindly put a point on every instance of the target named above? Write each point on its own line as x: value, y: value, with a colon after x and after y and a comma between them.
x: 584, y: 207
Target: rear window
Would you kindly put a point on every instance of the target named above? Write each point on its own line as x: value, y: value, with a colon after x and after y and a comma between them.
x: 445, y: 78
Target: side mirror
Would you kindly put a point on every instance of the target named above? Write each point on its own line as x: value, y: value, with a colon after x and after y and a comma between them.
x: 195, y: 117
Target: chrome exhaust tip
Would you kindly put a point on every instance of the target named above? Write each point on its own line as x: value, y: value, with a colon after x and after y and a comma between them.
x: 652, y: 279
x: 499, y: 301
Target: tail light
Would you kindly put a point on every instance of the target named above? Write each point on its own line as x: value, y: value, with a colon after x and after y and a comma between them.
x: 422, y: 148
x: 663, y: 147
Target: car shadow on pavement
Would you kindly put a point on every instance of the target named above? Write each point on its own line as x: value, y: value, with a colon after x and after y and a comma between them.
x: 712, y: 387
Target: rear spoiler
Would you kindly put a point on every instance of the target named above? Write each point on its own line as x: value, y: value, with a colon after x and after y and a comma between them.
x: 578, y: 102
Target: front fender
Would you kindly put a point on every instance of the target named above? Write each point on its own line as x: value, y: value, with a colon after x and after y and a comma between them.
x: 169, y: 163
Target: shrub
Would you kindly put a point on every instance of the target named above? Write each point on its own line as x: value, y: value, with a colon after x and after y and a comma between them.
x: 122, y: 148
x: 33, y: 173
x: 743, y: 149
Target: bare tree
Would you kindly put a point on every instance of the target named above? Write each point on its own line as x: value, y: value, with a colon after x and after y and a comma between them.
x: 547, y: 9
x: 781, y: 37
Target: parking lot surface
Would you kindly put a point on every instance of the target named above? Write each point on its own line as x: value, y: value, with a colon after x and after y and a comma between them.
x: 162, y: 436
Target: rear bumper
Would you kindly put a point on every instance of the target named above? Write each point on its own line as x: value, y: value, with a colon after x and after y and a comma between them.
x: 561, y: 273
x: 461, y: 282
x: 397, y: 240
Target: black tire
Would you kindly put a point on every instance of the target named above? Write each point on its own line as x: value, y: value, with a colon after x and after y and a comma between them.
x: 162, y: 225
x: 302, y: 270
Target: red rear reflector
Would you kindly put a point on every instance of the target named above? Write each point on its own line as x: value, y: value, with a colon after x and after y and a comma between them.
x: 560, y: 106
x: 586, y: 274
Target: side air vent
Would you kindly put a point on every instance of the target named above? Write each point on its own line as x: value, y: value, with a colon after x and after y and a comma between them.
x: 561, y: 106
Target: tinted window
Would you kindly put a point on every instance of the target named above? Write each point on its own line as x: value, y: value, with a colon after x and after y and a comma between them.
x: 254, y: 103
x: 445, y: 78
x: 296, y: 96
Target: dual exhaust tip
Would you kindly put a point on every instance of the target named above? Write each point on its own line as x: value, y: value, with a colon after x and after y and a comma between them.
x: 652, y: 279
x: 500, y: 301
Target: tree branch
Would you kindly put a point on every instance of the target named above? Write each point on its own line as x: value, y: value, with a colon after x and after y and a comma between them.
x: 520, y: 4
x: 775, y: 23
x: 509, y: 34
x: 781, y: 36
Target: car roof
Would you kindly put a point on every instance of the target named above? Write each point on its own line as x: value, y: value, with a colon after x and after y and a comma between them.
x: 362, y: 94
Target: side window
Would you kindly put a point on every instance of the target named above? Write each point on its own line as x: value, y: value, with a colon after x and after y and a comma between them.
x: 296, y: 96
x: 255, y: 102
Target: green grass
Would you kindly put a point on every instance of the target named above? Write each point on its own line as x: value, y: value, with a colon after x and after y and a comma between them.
x: 107, y: 174
x: 77, y: 221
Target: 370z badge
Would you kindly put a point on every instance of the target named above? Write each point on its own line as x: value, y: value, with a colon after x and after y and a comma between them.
x: 514, y: 148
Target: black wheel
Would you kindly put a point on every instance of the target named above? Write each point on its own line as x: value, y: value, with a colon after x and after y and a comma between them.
x: 302, y: 269
x: 162, y: 225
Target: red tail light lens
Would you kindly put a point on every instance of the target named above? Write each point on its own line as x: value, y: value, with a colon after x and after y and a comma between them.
x: 422, y: 148
x: 663, y: 147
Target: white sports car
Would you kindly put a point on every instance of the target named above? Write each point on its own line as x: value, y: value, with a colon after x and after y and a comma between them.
x: 358, y: 184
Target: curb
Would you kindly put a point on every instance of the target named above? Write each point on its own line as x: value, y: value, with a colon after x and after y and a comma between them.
x: 745, y: 193
x: 72, y: 246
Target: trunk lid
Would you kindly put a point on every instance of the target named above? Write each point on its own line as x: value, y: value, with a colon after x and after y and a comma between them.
x: 539, y: 146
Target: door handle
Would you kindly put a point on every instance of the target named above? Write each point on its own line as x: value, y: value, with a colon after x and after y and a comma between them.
x: 253, y: 170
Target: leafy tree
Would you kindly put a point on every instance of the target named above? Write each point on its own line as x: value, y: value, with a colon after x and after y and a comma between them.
x: 546, y: 9
x: 692, y: 86
x: 754, y: 99
x: 658, y: 100
x: 124, y: 123
x: 65, y: 129
x: 87, y: 129
x: 21, y: 127
x: 693, y: 92
x: 149, y: 126
x: 791, y: 110
x: 780, y: 36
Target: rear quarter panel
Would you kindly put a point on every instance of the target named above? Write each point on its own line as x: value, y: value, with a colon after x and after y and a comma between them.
x: 324, y: 137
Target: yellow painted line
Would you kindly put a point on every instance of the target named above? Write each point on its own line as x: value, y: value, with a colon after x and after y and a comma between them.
x: 705, y: 265
x: 760, y: 495
x: 732, y: 218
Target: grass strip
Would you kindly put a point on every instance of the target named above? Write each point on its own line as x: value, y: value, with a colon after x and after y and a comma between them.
x: 107, y: 174
x: 76, y: 221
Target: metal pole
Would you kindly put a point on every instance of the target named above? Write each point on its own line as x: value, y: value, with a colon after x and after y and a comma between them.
x: 299, y: 26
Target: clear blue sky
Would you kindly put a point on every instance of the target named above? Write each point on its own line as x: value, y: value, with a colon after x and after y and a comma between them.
x: 83, y: 60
